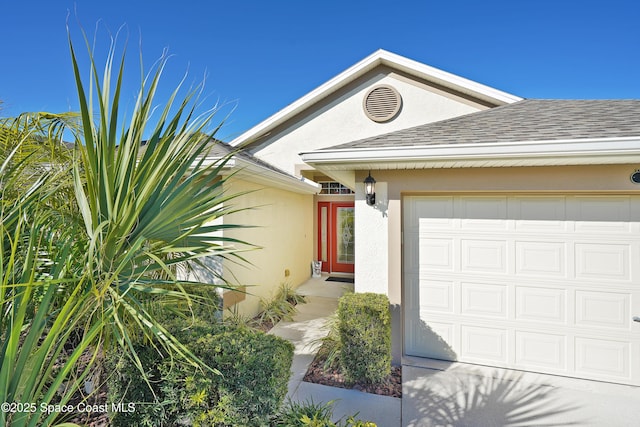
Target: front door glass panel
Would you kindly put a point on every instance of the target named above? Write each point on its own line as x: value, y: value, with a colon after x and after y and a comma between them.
x: 345, y: 242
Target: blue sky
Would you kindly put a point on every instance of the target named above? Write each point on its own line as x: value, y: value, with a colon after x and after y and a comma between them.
x: 259, y: 56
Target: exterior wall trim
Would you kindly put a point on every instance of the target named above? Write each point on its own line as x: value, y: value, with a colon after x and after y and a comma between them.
x: 509, y: 154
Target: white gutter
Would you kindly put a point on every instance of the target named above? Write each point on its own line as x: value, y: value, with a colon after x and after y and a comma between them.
x: 263, y: 175
x: 576, y: 149
x: 212, y: 161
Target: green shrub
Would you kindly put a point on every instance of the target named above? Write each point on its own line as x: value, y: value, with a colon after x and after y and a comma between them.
x: 254, y: 367
x: 365, y: 334
x: 125, y: 385
x: 255, y: 372
x: 166, y: 398
x: 205, y: 303
x: 190, y: 393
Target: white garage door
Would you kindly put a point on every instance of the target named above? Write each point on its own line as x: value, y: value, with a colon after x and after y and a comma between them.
x: 539, y: 283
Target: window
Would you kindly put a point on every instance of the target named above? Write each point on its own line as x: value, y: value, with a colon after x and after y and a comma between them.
x: 332, y: 187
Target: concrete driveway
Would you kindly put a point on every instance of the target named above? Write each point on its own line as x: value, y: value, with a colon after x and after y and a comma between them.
x: 437, y: 393
x: 449, y: 394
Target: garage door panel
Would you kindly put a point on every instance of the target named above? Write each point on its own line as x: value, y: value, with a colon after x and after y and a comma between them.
x: 484, y: 224
x: 482, y: 207
x: 541, y: 304
x: 541, y: 258
x: 602, y: 261
x: 534, y: 213
x: 483, y: 344
x: 544, y: 226
x: 602, y: 358
x: 412, y: 293
x: 602, y: 227
x: 603, y: 214
x: 488, y: 256
x: 481, y: 213
x: 603, y: 309
x: 542, y: 283
x: 436, y: 296
x: 608, y: 211
x: 436, y: 254
x: 411, y: 252
x: 480, y: 299
x: 542, y: 350
x: 432, y: 339
x: 435, y: 213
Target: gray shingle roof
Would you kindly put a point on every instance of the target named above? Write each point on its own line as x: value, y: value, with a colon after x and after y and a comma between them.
x: 219, y: 148
x: 527, y: 120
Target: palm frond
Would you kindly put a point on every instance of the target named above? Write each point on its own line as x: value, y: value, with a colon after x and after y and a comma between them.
x: 148, y: 204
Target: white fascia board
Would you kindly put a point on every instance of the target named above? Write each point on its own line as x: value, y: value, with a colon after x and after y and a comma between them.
x: 262, y: 175
x: 212, y: 161
x: 352, y: 73
x: 308, y: 100
x: 446, y: 79
x: 575, y: 149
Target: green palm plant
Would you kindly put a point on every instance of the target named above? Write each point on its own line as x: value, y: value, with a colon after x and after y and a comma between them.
x: 139, y: 207
x: 147, y: 204
x: 34, y: 331
x: 36, y: 143
x: 37, y: 135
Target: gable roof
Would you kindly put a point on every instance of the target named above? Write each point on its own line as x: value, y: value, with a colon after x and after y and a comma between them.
x: 527, y: 133
x: 378, y: 58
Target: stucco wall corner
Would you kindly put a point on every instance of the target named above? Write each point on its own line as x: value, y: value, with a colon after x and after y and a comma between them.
x: 371, y: 241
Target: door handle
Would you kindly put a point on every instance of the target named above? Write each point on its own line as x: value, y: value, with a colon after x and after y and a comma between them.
x: 636, y: 318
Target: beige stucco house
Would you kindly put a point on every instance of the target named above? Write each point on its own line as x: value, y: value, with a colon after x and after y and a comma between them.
x: 505, y: 232
x: 274, y: 210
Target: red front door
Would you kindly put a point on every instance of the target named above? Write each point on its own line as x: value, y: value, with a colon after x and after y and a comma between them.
x: 336, y: 248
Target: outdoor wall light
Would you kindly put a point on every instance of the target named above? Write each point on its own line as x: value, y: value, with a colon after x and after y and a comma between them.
x: 370, y: 189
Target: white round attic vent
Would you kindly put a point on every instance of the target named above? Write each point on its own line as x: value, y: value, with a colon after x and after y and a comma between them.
x: 382, y: 103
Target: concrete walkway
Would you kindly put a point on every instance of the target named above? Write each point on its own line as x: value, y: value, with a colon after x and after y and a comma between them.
x: 322, y: 301
x: 436, y: 393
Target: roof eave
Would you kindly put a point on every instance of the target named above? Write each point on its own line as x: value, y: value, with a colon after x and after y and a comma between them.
x: 262, y: 175
x: 528, y: 153
x: 448, y: 80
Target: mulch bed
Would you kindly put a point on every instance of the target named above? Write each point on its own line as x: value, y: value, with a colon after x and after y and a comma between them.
x: 98, y: 400
x: 92, y: 419
x: 265, y: 326
x: 391, y: 386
